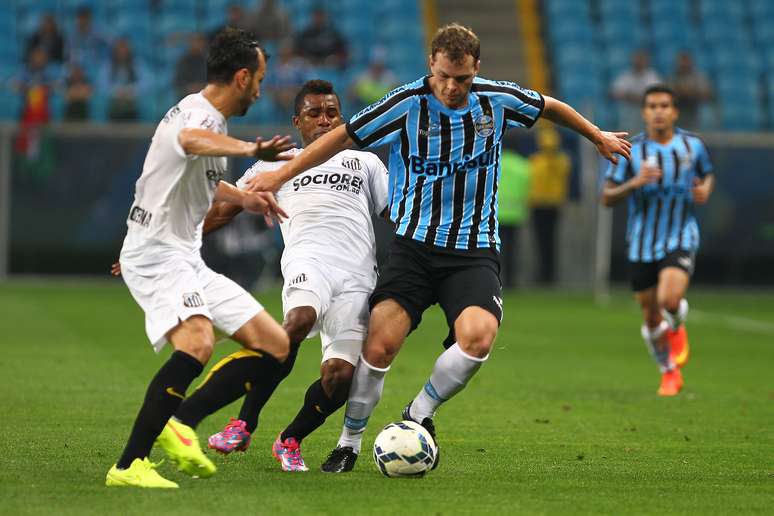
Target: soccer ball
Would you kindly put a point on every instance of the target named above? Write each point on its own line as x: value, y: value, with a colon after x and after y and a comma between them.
x: 404, y: 449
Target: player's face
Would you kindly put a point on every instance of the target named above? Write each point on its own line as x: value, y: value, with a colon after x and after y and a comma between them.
x: 319, y: 114
x: 451, y: 80
x: 251, y: 84
x: 659, y: 112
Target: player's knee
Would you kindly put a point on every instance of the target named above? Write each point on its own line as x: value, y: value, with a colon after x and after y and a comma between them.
x: 381, y: 349
x: 299, y: 322
x: 199, y: 339
x: 669, y: 302
x: 476, y: 336
x: 279, y: 346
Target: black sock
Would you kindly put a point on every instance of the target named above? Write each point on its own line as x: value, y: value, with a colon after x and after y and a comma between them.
x: 260, y: 394
x: 228, y: 381
x: 164, y: 395
x: 317, y: 407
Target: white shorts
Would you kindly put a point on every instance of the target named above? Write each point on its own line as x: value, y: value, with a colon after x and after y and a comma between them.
x: 340, y: 299
x: 177, y: 288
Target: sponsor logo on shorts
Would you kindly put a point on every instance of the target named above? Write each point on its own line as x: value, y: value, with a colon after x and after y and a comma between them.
x: 685, y: 261
x: 192, y: 300
x: 298, y: 279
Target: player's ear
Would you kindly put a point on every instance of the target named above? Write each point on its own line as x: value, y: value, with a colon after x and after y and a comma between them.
x: 242, y: 77
x: 477, y: 67
x: 296, y: 121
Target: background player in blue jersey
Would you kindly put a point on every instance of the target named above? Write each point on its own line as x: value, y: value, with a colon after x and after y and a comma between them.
x: 667, y: 174
x: 445, y: 134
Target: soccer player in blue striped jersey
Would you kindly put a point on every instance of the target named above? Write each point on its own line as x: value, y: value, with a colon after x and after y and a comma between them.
x: 668, y: 173
x: 445, y: 135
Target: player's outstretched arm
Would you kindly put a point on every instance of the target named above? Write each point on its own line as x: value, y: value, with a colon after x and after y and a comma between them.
x: 262, y: 203
x: 201, y: 142
x: 317, y: 153
x: 608, y: 144
x: 220, y: 214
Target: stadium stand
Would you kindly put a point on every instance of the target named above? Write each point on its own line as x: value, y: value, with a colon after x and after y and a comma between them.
x: 731, y: 42
x: 154, y: 29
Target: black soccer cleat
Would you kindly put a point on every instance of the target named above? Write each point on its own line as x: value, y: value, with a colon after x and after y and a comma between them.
x: 428, y: 425
x: 340, y: 460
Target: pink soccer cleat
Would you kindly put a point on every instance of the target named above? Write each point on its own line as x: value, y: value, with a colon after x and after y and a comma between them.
x: 288, y: 453
x: 234, y: 437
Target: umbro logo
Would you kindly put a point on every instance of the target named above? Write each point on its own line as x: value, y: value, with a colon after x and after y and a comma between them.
x: 298, y: 279
x: 685, y: 262
x: 192, y: 300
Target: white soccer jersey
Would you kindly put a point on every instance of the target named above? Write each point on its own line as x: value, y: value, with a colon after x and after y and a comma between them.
x: 329, y: 210
x: 175, y: 190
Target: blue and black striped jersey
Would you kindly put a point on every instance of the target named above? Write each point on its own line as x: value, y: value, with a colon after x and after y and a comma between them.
x: 445, y: 163
x: 661, y: 215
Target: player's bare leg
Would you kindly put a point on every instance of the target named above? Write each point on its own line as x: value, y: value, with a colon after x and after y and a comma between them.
x: 388, y: 327
x: 654, y: 334
x: 672, y: 286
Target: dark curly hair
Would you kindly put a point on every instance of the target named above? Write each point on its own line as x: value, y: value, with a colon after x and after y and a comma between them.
x: 231, y: 50
x: 313, y: 87
x: 456, y: 42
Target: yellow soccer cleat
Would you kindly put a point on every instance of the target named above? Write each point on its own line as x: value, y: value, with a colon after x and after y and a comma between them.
x: 679, y: 350
x: 182, y: 447
x: 141, y: 473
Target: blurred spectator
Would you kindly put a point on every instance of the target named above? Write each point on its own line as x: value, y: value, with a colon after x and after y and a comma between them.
x: 35, y: 84
x: 270, y: 22
x: 321, y: 43
x: 374, y: 83
x: 285, y: 79
x: 628, y: 89
x: 86, y: 46
x: 235, y: 18
x: 78, y: 92
x: 550, y: 172
x: 692, y: 89
x: 48, y: 38
x: 191, y: 69
x: 123, y: 79
x: 512, y: 191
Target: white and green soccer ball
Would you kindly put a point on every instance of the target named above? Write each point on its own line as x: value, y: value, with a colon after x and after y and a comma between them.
x: 404, y: 449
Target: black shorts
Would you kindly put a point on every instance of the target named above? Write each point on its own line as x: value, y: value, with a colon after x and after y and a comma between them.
x: 418, y: 275
x: 645, y: 274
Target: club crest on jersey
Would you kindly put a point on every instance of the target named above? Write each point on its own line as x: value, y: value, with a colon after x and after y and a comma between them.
x: 192, y: 300
x: 298, y: 279
x: 351, y: 163
x: 214, y: 176
x: 484, y: 126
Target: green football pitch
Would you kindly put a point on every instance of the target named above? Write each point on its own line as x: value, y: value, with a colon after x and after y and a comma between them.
x: 564, y: 417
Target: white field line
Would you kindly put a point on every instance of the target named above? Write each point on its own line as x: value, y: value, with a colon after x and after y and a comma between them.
x: 735, y: 322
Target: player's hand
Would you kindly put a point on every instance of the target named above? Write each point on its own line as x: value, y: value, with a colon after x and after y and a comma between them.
x: 701, y: 191
x: 610, y: 144
x: 648, y: 174
x: 115, y: 269
x: 273, y: 149
x: 263, y: 182
x: 264, y: 203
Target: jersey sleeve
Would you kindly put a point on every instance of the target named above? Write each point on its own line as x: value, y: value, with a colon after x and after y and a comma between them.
x: 619, y: 172
x: 377, y: 183
x: 703, y: 163
x: 381, y: 122
x: 193, y: 118
x: 257, y: 168
x: 522, y: 107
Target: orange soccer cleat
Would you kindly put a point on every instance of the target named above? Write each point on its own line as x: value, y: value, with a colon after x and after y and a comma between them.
x: 679, y: 350
x: 671, y: 383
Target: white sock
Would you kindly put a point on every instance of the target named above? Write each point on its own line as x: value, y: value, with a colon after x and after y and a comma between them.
x: 675, y: 320
x: 651, y: 336
x: 451, y: 372
x: 365, y: 393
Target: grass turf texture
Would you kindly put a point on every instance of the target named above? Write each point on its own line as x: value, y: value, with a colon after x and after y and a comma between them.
x: 563, y: 419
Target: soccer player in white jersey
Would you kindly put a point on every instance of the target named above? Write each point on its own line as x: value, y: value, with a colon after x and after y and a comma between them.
x: 162, y: 266
x: 329, y: 267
